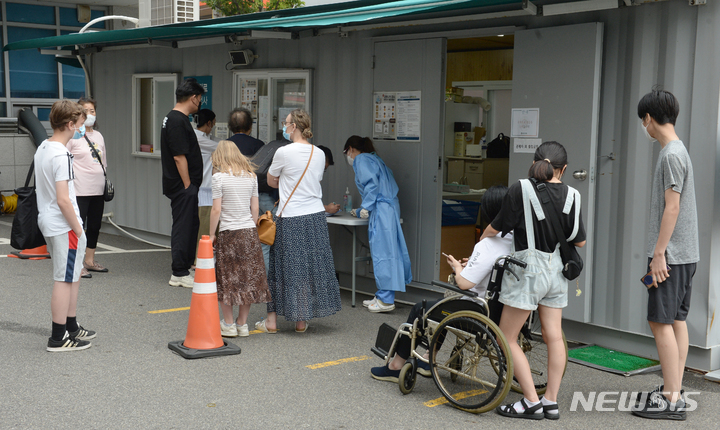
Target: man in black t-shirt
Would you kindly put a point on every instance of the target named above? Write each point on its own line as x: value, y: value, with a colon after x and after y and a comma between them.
x: 240, y: 123
x: 182, y: 168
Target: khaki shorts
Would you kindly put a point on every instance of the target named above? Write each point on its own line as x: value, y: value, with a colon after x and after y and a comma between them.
x: 67, y: 252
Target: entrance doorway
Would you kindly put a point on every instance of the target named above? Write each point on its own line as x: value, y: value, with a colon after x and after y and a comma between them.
x: 477, y: 114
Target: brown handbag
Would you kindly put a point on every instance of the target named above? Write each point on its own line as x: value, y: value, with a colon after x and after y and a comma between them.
x: 266, y: 222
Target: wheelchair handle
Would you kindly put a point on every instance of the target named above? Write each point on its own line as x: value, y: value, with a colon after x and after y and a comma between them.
x: 516, y: 262
x: 509, y: 259
x: 454, y: 288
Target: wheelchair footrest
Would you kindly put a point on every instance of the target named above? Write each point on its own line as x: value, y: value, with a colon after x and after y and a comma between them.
x: 379, y: 352
x: 384, y: 340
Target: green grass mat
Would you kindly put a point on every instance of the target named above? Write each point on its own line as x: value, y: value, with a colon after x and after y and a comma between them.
x: 603, y: 357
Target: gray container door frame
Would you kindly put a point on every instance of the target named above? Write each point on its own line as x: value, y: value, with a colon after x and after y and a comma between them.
x: 416, y: 65
x: 557, y: 70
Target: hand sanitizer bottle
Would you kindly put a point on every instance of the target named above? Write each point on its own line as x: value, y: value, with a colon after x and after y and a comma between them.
x: 347, y: 200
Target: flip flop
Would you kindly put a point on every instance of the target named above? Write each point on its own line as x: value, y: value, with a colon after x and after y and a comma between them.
x: 260, y: 325
x: 303, y: 330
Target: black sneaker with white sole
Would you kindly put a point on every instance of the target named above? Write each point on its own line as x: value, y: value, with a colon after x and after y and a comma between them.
x: 643, y: 396
x: 658, y: 407
x: 82, y: 334
x: 67, y: 344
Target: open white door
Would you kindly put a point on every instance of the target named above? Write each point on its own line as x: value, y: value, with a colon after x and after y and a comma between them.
x: 558, y: 70
x: 416, y: 65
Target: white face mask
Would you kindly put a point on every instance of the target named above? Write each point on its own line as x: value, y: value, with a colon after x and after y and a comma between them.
x: 350, y: 160
x: 644, y: 127
x: 90, y: 121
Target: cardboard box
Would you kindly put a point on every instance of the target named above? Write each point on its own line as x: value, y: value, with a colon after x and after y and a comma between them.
x: 479, y: 134
x: 473, y: 150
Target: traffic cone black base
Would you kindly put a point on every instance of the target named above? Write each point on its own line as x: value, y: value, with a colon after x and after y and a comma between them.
x: 189, y: 353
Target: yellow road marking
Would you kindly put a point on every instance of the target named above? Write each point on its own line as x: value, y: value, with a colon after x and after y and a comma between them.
x: 336, y: 362
x: 162, y: 311
x: 458, y: 396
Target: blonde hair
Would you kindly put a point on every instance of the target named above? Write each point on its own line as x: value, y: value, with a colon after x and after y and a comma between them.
x: 227, y: 158
x: 302, y: 120
x: 63, y: 112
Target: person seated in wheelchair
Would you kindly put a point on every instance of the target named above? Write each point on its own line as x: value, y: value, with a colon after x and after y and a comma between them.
x: 471, y: 273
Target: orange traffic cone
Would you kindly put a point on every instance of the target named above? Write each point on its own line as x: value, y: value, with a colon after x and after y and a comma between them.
x: 39, y: 253
x: 203, y: 333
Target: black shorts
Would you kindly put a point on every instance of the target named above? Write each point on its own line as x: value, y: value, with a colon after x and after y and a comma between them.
x: 670, y: 301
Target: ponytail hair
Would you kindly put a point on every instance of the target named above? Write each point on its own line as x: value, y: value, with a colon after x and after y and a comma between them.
x: 362, y: 144
x: 548, y: 157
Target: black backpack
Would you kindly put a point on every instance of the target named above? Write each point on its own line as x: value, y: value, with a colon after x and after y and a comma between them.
x: 499, y: 147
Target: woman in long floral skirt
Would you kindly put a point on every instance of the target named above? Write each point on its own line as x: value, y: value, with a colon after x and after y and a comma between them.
x: 240, y: 269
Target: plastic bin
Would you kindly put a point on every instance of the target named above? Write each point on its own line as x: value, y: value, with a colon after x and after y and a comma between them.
x: 459, y: 212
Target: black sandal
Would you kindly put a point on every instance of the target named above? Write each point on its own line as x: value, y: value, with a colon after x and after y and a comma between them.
x: 553, y: 407
x: 529, y: 413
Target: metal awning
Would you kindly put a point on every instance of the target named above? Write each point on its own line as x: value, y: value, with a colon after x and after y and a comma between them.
x: 290, y: 19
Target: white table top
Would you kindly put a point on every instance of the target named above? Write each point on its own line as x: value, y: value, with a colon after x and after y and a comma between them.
x: 344, y: 218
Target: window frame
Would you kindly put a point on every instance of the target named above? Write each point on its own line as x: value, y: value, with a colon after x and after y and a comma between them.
x: 156, y: 120
x: 11, y: 102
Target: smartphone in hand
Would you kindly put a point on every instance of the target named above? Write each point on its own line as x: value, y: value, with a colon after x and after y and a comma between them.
x: 647, y: 280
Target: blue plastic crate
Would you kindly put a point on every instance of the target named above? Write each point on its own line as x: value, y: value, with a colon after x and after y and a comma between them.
x: 461, y: 212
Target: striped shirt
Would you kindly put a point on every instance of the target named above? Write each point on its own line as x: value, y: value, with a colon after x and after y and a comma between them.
x: 235, y: 192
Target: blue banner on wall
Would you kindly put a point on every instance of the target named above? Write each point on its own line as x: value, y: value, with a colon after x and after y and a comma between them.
x: 206, y: 82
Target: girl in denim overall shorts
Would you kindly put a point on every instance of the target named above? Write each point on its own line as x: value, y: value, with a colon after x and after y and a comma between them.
x: 542, y: 285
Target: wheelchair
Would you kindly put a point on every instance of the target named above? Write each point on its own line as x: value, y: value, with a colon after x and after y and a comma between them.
x: 468, y: 355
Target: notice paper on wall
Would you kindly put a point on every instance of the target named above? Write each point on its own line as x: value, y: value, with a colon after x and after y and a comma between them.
x: 526, y: 145
x: 263, y: 119
x: 384, y: 120
x: 408, y: 116
x: 525, y: 122
x: 396, y: 115
x: 221, y: 130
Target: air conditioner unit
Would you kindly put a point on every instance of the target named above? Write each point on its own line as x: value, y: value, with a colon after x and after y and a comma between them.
x: 169, y: 11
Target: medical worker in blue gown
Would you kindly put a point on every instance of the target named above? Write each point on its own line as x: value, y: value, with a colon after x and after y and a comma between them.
x: 391, y: 262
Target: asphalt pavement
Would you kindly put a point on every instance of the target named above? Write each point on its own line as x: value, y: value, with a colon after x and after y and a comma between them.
x: 318, y: 380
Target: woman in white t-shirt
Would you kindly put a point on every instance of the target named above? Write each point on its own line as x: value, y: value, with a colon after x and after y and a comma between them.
x: 239, y: 266
x: 302, y: 271
x: 473, y: 275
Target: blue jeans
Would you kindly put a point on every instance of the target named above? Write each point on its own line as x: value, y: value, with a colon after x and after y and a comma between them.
x: 266, y: 203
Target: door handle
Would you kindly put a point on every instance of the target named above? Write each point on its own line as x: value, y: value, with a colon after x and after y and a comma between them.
x: 580, y: 175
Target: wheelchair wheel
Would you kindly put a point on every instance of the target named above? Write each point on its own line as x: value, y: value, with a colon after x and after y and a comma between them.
x: 407, y: 378
x: 455, y: 363
x: 533, y: 345
x: 462, y: 350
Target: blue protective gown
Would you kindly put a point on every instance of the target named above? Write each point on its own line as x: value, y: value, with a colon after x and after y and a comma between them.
x: 391, y: 261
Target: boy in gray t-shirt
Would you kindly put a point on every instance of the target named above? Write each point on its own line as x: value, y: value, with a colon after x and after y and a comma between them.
x: 673, y: 252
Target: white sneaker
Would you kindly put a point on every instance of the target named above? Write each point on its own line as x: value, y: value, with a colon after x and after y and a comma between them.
x: 243, y: 330
x: 186, y: 281
x: 228, y: 330
x: 367, y: 303
x: 379, y: 306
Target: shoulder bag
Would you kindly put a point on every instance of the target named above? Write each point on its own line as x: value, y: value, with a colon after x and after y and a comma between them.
x: 266, y: 223
x: 572, y: 262
x: 25, y: 233
x: 109, y: 191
